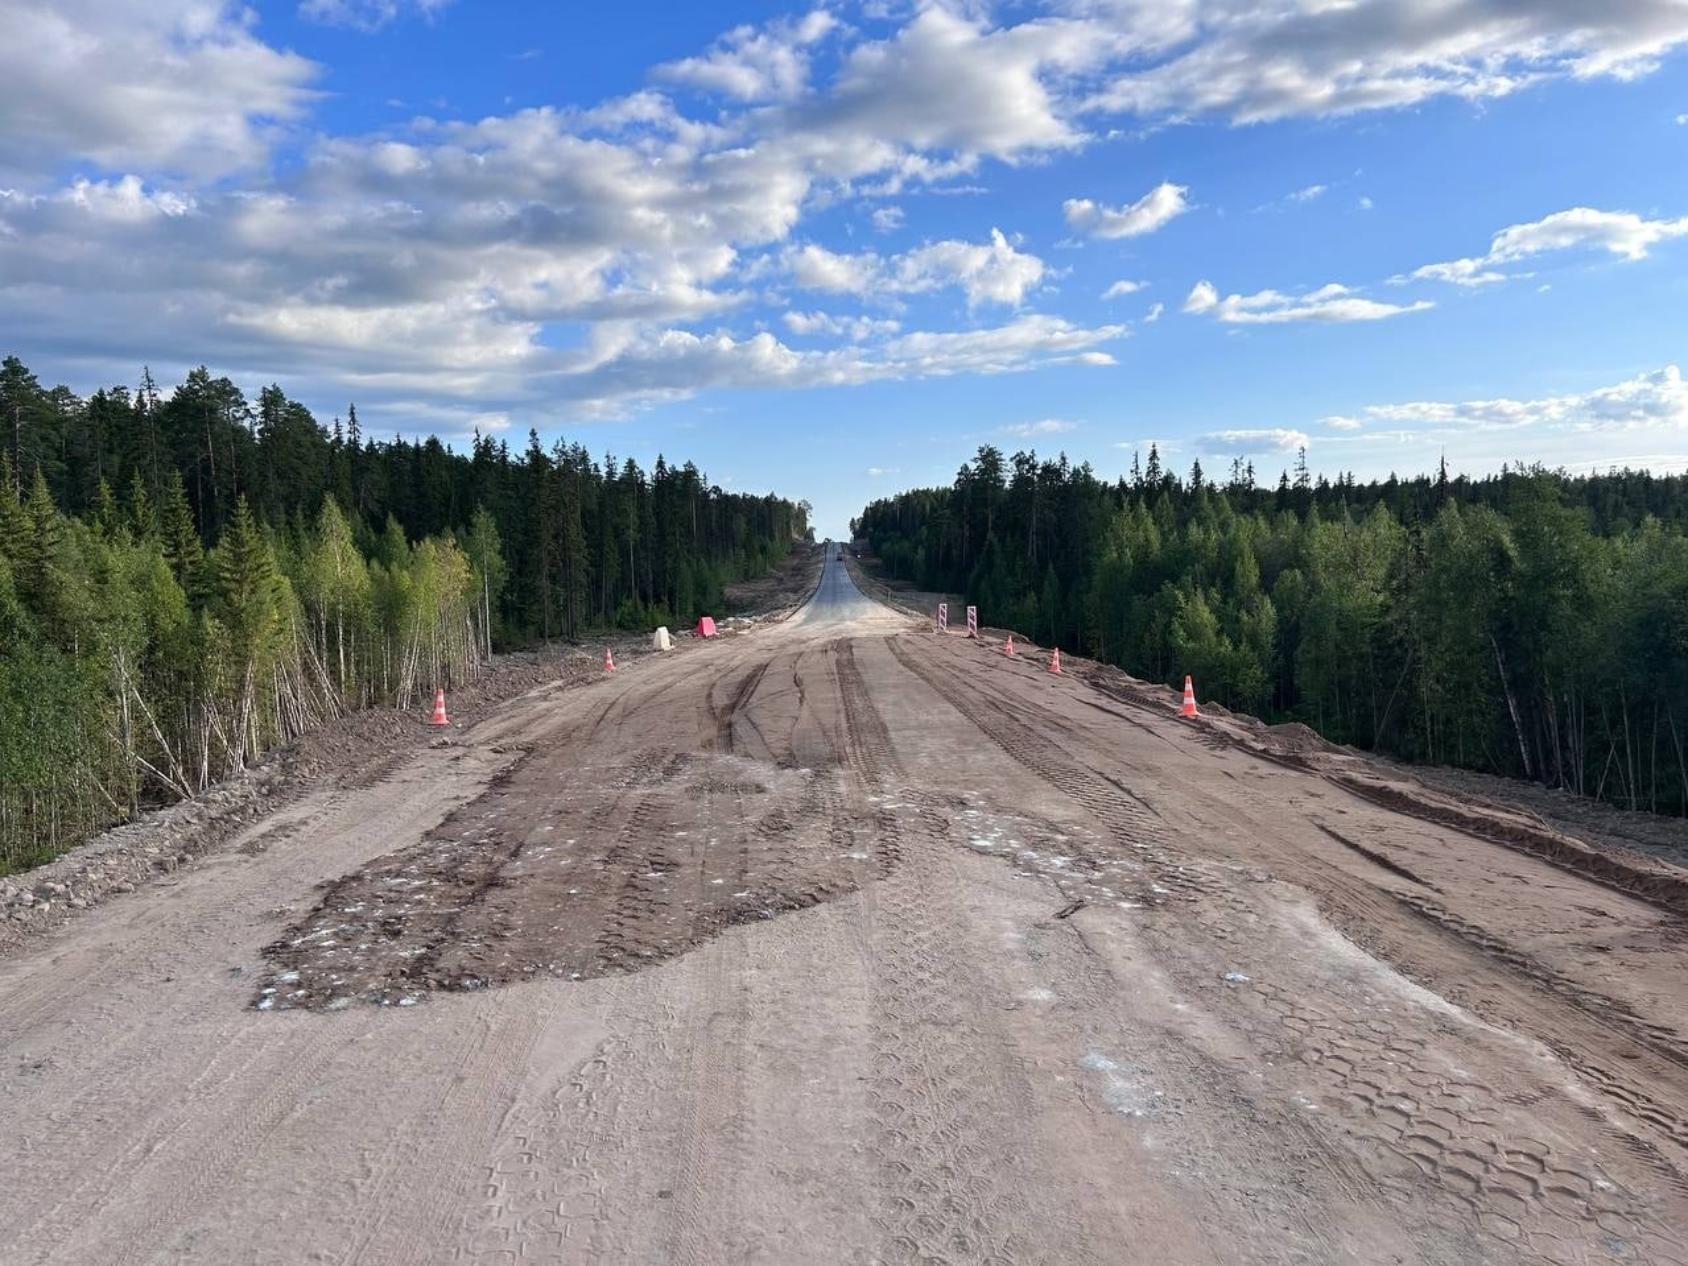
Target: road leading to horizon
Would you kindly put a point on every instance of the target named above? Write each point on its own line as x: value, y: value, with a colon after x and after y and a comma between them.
x: 839, y: 941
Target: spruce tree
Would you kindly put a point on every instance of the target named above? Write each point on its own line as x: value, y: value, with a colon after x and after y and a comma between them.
x: 180, y: 540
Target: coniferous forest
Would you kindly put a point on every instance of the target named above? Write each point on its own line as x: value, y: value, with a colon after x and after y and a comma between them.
x: 1529, y: 624
x: 188, y: 579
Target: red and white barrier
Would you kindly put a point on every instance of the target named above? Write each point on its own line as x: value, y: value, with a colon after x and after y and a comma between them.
x: 943, y: 617
x: 972, y: 621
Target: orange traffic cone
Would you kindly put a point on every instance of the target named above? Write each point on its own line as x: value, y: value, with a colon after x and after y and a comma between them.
x: 1055, y: 662
x: 1008, y: 646
x: 439, y: 709
x: 1189, y: 708
x: 609, y: 660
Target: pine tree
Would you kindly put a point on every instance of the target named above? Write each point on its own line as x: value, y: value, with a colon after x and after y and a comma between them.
x: 143, y: 522
x: 106, y: 516
x: 14, y: 523
x: 180, y: 540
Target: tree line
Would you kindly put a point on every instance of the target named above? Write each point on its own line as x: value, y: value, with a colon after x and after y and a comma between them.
x: 1530, y: 624
x: 188, y: 581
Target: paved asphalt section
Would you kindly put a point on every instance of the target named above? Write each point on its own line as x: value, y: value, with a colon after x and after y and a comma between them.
x: 842, y: 941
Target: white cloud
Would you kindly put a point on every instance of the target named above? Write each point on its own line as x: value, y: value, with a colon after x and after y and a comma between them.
x: 1122, y: 288
x: 1047, y: 426
x: 1250, y: 440
x: 674, y: 364
x: 1339, y: 423
x: 567, y: 258
x: 1155, y: 209
x: 877, y: 472
x: 1621, y: 233
x: 996, y: 273
x: 1460, y: 272
x: 1154, y: 313
x: 856, y: 329
x: 987, y: 273
x: 814, y: 267
x: 948, y: 83
x: 887, y: 219
x: 366, y: 15
x: 1651, y: 401
x: 1319, y: 58
x: 1332, y: 303
x: 1307, y: 194
x: 173, y: 85
x: 751, y: 63
x: 125, y: 201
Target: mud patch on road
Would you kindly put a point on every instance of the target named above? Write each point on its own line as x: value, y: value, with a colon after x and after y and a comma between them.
x: 571, y: 872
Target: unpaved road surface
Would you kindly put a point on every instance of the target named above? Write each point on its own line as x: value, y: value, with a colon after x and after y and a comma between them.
x: 844, y: 942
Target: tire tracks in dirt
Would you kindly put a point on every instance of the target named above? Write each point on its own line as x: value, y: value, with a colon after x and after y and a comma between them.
x: 943, y: 1080
x: 1411, y: 1110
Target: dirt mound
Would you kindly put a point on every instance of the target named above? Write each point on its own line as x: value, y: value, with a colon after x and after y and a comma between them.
x: 1292, y: 738
x: 1650, y: 877
x: 1655, y: 882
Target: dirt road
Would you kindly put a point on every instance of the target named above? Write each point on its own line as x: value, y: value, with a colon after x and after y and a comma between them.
x: 843, y: 942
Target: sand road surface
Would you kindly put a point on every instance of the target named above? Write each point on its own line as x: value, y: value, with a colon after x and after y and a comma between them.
x: 841, y: 941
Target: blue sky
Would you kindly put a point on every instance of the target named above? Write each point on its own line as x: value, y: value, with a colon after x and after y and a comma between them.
x: 830, y: 250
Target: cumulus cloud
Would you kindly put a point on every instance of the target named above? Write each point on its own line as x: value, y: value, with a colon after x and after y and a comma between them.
x: 1154, y: 313
x: 1332, y: 303
x: 1340, y: 423
x: 854, y: 328
x: 1031, y: 430
x: 1122, y: 288
x: 673, y: 364
x: 1621, y: 233
x: 1271, y: 61
x: 366, y: 15
x: 1256, y: 440
x: 1653, y: 401
x: 1154, y: 210
x: 887, y: 219
x: 579, y: 254
x: 814, y: 267
x: 946, y: 82
x: 173, y: 85
x: 756, y: 63
x: 991, y: 272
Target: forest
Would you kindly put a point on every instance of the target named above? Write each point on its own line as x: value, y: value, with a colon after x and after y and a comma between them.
x: 189, y: 580
x: 1528, y: 624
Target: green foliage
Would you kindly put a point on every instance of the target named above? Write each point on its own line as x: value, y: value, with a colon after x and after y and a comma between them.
x: 1531, y: 624
x: 260, y: 574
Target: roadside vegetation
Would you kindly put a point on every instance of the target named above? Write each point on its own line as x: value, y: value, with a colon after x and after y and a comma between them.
x: 188, y: 581
x: 1531, y: 624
